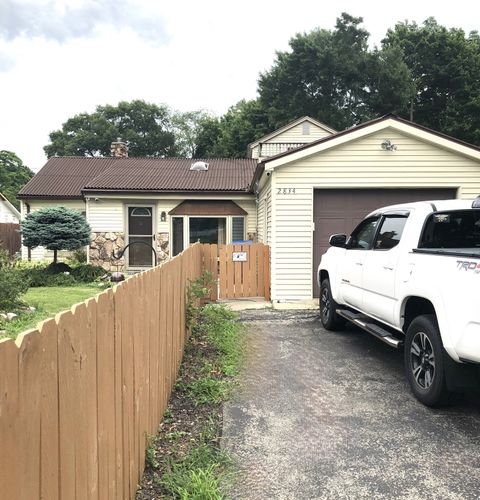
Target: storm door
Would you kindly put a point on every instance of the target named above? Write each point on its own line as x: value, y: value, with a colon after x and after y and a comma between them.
x: 140, y: 233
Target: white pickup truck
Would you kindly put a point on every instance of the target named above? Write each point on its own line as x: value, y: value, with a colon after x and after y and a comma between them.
x: 410, y: 275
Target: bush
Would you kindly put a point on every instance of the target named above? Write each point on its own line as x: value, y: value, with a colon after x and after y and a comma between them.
x: 13, y: 284
x: 86, y: 273
x: 5, y: 259
x: 79, y: 256
x: 39, y: 276
x: 58, y: 268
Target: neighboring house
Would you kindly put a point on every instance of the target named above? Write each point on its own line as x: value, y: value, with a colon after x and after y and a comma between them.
x: 302, y: 183
x: 8, y: 213
x: 291, y: 136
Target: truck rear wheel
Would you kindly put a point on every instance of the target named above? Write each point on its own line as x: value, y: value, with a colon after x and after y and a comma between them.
x: 424, y: 361
x: 328, y: 308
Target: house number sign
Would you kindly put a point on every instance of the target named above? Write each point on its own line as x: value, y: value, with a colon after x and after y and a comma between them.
x: 239, y: 256
x: 285, y: 190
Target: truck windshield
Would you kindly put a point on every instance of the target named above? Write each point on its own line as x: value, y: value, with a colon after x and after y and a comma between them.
x: 455, y: 229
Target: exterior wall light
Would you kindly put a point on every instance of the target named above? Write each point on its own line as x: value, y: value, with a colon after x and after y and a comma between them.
x: 163, y: 216
x: 387, y: 145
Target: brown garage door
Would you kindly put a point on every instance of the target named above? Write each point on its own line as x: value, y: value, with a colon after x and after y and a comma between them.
x: 340, y: 210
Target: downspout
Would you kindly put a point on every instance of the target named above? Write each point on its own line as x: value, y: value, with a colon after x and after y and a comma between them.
x: 29, y: 250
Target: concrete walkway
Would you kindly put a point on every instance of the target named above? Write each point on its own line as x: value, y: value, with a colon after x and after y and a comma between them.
x: 329, y: 415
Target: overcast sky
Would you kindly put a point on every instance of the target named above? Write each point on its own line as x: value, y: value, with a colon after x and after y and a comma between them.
x: 60, y: 58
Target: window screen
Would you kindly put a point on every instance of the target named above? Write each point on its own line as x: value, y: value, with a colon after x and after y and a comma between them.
x: 390, y: 232
x: 238, y: 228
x: 455, y: 229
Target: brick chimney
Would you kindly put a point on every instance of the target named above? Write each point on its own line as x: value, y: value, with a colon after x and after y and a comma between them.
x: 119, y: 149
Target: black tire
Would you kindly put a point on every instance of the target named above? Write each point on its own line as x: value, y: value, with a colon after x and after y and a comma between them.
x: 328, y: 315
x: 425, y: 362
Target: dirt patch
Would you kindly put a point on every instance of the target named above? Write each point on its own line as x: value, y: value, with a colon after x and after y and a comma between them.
x: 186, y: 425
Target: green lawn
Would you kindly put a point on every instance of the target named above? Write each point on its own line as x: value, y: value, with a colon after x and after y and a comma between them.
x: 48, y: 301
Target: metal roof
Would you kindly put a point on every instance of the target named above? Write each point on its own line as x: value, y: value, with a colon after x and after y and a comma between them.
x: 69, y: 177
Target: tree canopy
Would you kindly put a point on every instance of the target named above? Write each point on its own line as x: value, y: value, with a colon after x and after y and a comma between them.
x: 445, y: 68
x: 332, y: 76
x: 426, y: 71
x: 55, y: 228
x: 146, y: 127
x: 229, y: 136
x: 13, y: 176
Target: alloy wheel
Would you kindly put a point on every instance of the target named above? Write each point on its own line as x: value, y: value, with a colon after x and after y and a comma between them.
x: 422, y: 360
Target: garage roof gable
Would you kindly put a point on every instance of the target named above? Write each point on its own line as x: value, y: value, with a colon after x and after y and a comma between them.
x: 389, y: 121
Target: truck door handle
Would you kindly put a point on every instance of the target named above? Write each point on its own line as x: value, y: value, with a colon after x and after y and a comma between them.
x: 359, y: 263
x: 388, y: 268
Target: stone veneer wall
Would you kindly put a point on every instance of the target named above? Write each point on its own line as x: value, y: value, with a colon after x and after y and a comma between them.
x: 163, y: 246
x: 101, y: 247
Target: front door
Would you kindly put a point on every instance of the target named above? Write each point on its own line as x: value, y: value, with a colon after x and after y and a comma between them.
x: 141, y: 237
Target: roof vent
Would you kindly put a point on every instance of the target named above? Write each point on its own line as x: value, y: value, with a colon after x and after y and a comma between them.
x: 199, y: 166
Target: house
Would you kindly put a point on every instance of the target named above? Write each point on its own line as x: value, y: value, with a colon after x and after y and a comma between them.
x: 298, y: 185
x: 8, y: 213
x: 166, y: 203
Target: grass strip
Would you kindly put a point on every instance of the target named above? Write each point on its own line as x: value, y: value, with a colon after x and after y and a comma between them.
x: 47, y: 301
x: 185, y: 460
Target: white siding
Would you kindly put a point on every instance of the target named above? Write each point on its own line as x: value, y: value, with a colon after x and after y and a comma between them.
x: 292, y: 137
x: 295, y: 134
x: 357, y: 164
x: 264, y: 216
x: 106, y: 215
x: 72, y: 204
x: 250, y: 207
x: 6, y: 214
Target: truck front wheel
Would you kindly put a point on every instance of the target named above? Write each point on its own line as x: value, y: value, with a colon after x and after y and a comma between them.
x: 424, y: 361
x: 328, y: 308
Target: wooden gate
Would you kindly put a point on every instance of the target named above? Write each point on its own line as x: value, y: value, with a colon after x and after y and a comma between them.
x: 240, y: 270
x: 10, y: 237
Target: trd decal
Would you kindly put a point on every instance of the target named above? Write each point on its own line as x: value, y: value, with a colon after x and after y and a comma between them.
x: 468, y: 265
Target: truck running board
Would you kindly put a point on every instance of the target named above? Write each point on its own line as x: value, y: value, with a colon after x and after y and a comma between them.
x: 368, y: 325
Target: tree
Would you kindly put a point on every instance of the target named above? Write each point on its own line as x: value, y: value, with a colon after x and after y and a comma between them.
x: 13, y: 176
x: 146, y: 127
x: 188, y: 128
x: 445, y: 68
x: 229, y: 136
x: 334, y: 77
x: 55, y: 228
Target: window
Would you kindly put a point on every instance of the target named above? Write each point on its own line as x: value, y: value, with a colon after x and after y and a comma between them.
x: 362, y: 236
x: 140, y: 220
x: 459, y: 229
x: 208, y: 230
x: 390, y: 232
x: 177, y: 233
x: 238, y: 229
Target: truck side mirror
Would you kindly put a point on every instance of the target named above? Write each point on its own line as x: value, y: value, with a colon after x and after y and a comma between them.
x: 338, y: 240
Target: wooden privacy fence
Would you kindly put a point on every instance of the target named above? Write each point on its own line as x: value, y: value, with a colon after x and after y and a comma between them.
x: 10, y: 237
x: 246, y: 276
x: 80, y: 394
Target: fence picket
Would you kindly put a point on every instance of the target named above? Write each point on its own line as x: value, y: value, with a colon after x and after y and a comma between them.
x: 79, y: 396
x: 49, y: 433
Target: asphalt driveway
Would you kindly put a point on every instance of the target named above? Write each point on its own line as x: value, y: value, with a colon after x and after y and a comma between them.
x: 329, y: 415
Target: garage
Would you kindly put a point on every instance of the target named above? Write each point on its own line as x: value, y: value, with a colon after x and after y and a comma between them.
x: 327, y: 186
x: 340, y: 210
